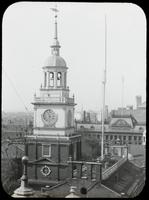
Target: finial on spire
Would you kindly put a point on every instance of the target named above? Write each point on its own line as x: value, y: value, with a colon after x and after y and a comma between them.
x: 55, y: 46
x: 55, y: 10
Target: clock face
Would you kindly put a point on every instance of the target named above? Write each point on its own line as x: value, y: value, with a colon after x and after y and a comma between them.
x: 49, y: 117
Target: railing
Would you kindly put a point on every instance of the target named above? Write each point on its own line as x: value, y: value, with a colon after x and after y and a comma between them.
x: 113, y: 168
x: 54, y: 99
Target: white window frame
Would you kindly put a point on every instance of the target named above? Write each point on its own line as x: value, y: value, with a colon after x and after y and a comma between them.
x: 48, y: 155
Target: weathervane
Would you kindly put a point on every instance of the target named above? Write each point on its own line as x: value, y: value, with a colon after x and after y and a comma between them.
x: 55, y: 10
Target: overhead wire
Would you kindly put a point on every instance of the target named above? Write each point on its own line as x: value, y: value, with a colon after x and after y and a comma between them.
x: 17, y: 93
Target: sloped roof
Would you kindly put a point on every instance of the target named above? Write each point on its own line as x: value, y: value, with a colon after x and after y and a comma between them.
x: 139, y: 114
x: 127, y: 176
x: 96, y: 189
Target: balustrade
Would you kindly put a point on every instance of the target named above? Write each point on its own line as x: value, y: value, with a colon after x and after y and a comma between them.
x: 54, y: 99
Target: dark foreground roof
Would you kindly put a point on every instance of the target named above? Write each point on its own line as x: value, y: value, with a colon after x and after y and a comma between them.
x: 122, y: 180
x: 94, y: 189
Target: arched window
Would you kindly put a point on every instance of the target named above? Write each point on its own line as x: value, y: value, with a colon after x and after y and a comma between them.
x: 45, y: 79
x: 65, y: 79
x: 51, y: 81
x: 59, y: 79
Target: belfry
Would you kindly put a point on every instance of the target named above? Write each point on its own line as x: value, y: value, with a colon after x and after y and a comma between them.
x: 54, y: 138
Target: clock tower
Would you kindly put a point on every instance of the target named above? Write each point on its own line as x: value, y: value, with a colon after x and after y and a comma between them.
x: 54, y: 138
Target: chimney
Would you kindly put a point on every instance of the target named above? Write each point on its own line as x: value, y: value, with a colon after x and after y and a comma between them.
x: 138, y: 101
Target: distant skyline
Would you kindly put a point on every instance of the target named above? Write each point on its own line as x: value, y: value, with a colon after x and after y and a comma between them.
x: 27, y: 33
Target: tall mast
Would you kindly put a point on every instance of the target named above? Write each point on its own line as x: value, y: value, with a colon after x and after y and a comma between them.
x: 122, y: 95
x: 104, y: 85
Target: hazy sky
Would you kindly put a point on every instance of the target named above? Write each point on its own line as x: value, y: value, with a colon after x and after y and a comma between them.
x: 27, y: 33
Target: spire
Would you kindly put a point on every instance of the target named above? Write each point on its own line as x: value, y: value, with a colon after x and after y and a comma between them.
x: 55, y: 46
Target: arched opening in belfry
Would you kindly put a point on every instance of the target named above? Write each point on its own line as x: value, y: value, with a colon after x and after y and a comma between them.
x: 51, y: 81
x: 45, y: 79
x: 59, y: 79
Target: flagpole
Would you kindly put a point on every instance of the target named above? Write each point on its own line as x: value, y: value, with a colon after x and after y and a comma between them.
x: 122, y: 95
x: 104, y: 85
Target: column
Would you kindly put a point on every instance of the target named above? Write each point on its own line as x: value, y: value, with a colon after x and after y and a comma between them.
x: 55, y: 79
x: 45, y: 79
x: 63, y: 79
x: 47, y: 76
x: 70, y: 168
x: 35, y: 114
x: 48, y: 81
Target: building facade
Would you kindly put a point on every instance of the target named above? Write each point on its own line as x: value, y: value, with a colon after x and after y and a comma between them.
x: 123, y: 128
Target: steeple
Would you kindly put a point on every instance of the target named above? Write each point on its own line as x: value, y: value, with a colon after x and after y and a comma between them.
x: 55, y: 46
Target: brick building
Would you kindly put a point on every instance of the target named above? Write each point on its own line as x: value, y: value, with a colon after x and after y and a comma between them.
x: 54, y: 138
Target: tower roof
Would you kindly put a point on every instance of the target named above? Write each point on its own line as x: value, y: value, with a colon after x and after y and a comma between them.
x: 54, y: 61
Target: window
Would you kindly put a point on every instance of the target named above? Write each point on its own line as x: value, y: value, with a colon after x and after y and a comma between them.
x: 124, y: 137
x: 140, y: 137
x: 135, y: 137
x: 46, y: 150
x: 115, y: 137
x: 92, y: 127
x: 107, y: 137
x: 130, y: 137
x: 111, y: 137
